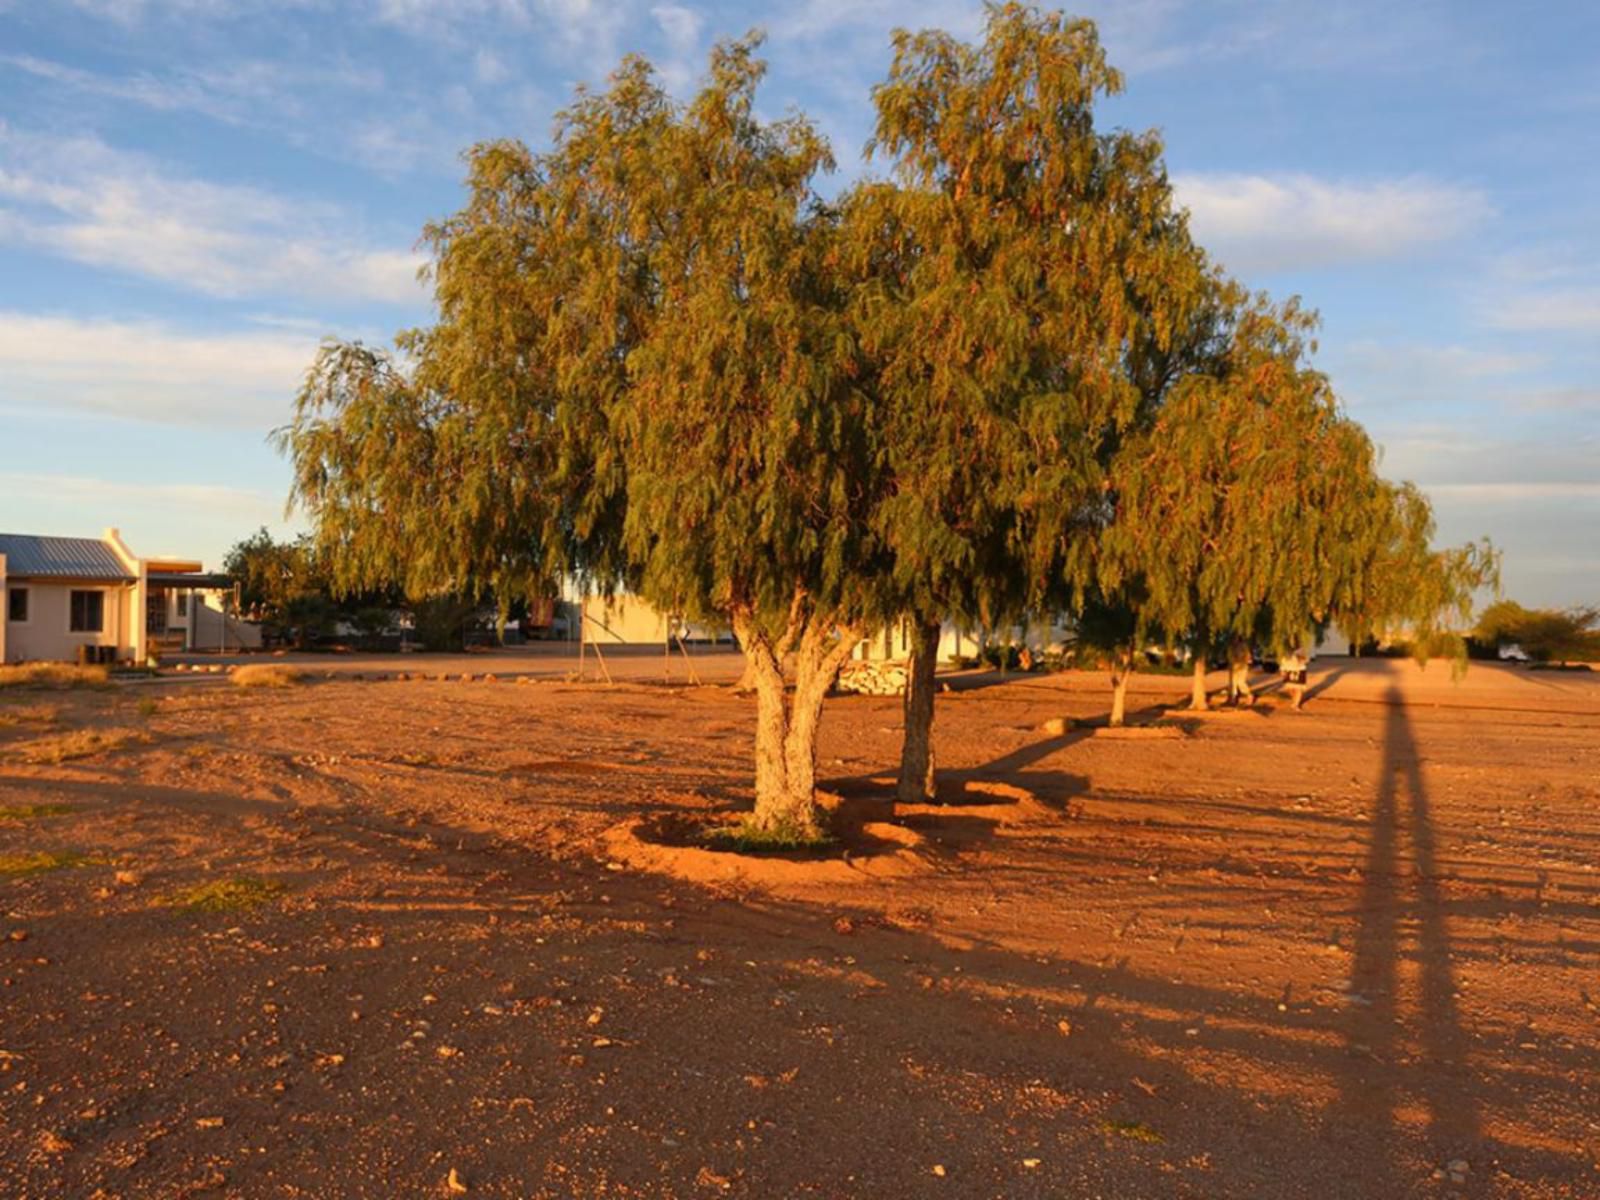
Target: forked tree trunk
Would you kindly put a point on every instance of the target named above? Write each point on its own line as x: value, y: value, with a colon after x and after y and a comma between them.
x: 1121, y: 670
x: 786, y: 727
x: 1197, y: 699
x: 916, y: 784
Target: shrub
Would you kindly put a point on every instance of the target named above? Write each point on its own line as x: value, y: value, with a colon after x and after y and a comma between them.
x: 53, y: 675
x: 270, y: 675
x: 80, y: 743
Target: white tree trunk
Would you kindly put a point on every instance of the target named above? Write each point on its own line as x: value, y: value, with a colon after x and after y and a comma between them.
x: 1197, y: 699
x: 1121, y: 670
x: 786, y: 726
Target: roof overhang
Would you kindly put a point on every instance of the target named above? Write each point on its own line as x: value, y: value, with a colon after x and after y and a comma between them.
x: 209, y: 582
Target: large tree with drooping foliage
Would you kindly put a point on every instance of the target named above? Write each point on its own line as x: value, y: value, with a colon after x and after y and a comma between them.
x: 640, y: 375
x: 1001, y: 277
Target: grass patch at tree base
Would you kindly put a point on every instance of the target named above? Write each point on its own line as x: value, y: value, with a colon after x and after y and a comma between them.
x: 746, y: 837
x: 226, y: 895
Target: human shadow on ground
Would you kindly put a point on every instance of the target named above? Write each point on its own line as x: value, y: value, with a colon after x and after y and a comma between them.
x: 1398, y: 906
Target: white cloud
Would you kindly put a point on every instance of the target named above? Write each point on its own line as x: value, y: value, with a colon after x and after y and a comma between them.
x: 1409, y: 363
x: 1558, y: 310
x: 1263, y: 223
x: 1574, y: 489
x: 215, y: 499
x: 680, y: 29
x: 82, y: 200
x: 152, y: 372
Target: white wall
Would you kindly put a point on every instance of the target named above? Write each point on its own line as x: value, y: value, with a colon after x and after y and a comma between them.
x: 44, y: 636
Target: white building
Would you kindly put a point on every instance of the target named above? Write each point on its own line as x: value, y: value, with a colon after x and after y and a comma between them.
x: 63, y: 593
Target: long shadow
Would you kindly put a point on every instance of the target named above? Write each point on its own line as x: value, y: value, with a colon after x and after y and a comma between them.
x: 1327, y: 681
x: 1390, y: 903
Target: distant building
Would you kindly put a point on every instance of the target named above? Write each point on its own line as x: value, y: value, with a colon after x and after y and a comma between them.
x: 63, y: 593
x: 629, y: 620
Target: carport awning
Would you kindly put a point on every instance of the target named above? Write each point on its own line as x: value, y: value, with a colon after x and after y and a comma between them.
x: 202, y: 581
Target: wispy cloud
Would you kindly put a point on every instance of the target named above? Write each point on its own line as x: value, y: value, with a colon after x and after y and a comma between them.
x: 216, y: 498
x: 1553, y: 310
x: 1410, y: 362
x: 151, y: 372
x: 82, y: 200
x: 1284, y: 222
x: 1553, y: 489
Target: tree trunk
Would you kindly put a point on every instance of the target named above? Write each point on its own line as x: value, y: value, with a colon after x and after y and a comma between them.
x: 1121, y: 669
x: 1239, y: 674
x: 786, y: 728
x: 1198, y: 699
x: 916, y: 784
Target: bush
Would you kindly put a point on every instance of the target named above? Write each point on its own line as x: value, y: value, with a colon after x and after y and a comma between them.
x: 271, y: 675
x: 1007, y: 658
x: 53, y: 675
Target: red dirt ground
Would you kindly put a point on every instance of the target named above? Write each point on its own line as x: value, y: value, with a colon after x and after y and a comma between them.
x: 1264, y: 954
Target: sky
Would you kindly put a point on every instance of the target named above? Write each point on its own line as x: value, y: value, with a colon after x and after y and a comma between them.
x: 193, y: 193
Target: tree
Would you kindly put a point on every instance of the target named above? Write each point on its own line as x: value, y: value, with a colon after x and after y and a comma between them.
x: 998, y: 278
x: 1390, y: 576
x: 1544, y: 634
x: 1248, y: 510
x: 640, y: 377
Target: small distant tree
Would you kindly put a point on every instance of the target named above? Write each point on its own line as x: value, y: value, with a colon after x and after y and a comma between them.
x: 1217, y: 496
x: 1543, y: 634
x: 1390, y: 575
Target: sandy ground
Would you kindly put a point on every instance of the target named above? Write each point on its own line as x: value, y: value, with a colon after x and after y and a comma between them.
x: 1255, y: 954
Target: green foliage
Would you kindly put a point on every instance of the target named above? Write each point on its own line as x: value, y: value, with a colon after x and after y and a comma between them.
x: 1544, y: 634
x: 638, y: 375
x: 997, y: 282
x: 39, y: 862
x: 226, y: 895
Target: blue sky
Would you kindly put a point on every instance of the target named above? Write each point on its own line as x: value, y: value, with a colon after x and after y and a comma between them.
x: 193, y: 192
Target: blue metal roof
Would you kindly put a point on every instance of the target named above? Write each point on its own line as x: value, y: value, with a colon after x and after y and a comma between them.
x: 60, y: 557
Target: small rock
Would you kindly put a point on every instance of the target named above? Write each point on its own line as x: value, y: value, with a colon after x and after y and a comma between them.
x: 129, y: 878
x: 208, y: 1123
x: 455, y: 1183
x: 1065, y: 1026
x: 1056, y: 726
x: 938, y: 1169
x: 18, y: 935
x: 1030, y: 1163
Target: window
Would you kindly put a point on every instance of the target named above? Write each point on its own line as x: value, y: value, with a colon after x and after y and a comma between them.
x: 17, y: 605
x: 183, y: 604
x: 88, y: 612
